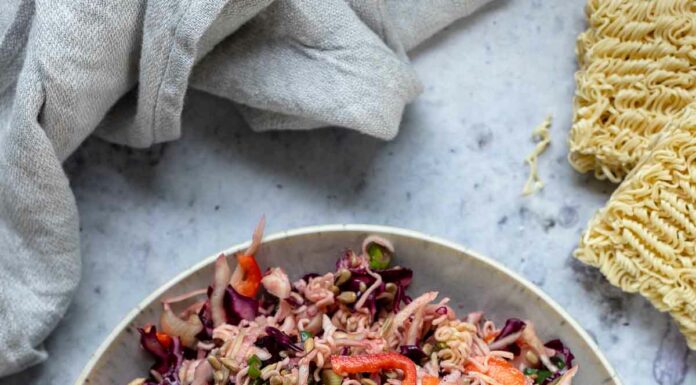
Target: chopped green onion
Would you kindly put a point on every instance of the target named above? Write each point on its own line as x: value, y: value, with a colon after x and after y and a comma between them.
x: 529, y: 371
x: 254, y: 372
x: 542, y: 375
x: 305, y: 335
x: 254, y: 360
x: 558, y: 361
x: 379, y: 257
x: 254, y: 367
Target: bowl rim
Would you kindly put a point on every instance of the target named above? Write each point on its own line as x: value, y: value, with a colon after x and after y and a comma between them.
x: 337, y: 228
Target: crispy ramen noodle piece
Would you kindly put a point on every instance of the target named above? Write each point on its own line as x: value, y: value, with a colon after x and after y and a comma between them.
x: 644, y: 239
x: 543, y: 137
x: 457, y: 336
x: 637, y: 70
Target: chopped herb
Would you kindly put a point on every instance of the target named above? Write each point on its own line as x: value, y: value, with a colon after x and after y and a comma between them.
x: 305, y: 335
x: 254, y: 360
x: 542, y: 375
x: 440, y: 345
x: 254, y: 367
x: 254, y: 372
x: 558, y: 361
x: 529, y: 371
x: 379, y: 257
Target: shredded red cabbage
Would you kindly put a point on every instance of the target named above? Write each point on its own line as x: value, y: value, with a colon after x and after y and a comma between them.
x: 371, y: 301
x: 512, y: 325
x: 207, y: 321
x: 402, y: 278
x: 562, y: 354
x: 561, y: 350
x: 149, y: 342
x: 292, y: 301
x: 358, y: 277
x: 413, y: 352
x: 283, y: 339
x: 276, y: 341
x: 239, y: 307
x: 269, y: 300
x: 269, y: 343
x: 167, y: 359
x: 399, y: 297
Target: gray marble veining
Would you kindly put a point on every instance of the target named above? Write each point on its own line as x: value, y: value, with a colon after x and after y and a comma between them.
x: 456, y: 171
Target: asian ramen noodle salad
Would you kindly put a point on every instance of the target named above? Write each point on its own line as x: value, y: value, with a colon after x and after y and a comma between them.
x: 355, y: 325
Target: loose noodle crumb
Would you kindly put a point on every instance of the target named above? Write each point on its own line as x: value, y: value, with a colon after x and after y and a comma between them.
x: 542, y: 136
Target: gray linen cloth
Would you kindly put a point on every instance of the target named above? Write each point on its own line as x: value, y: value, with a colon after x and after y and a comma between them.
x: 120, y: 69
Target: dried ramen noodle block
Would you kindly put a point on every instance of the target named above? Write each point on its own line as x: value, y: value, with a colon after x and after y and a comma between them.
x: 644, y: 239
x: 637, y: 70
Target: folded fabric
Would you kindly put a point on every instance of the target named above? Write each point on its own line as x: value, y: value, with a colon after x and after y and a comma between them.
x: 637, y: 70
x: 644, y: 239
x: 121, y: 69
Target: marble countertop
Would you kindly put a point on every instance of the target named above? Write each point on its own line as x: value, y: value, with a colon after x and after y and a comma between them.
x: 455, y: 170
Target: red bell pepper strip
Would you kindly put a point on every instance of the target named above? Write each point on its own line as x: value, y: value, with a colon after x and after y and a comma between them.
x: 501, y: 371
x: 249, y: 284
x: 372, y: 363
x: 246, y: 278
x: 164, y: 339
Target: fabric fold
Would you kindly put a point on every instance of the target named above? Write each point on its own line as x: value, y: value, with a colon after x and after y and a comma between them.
x: 120, y: 70
x: 343, y: 73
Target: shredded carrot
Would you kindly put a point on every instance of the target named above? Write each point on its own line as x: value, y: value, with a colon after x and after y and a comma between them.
x: 490, y: 337
x: 501, y: 371
x: 372, y: 363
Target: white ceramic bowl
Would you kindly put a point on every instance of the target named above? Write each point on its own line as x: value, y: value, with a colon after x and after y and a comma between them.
x: 473, y: 282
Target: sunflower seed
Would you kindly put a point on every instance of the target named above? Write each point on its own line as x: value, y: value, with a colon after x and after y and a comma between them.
x: 309, y: 345
x: 214, y: 362
x: 347, y: 297
x: 342, y: 276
